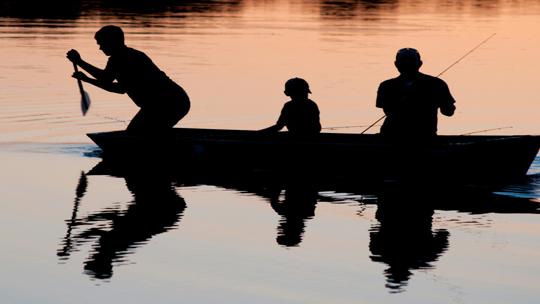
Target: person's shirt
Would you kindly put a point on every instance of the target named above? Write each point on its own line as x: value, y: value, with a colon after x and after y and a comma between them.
x: 143, y: 81
x: 301, y: 117
x: 411, y: 107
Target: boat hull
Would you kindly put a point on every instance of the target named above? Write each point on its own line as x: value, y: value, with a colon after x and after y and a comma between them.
x: 459, y: 159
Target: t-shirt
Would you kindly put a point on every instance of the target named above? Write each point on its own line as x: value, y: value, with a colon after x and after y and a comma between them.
x: 411, y: 107
x: 143, y: 81
x: 300, y: 117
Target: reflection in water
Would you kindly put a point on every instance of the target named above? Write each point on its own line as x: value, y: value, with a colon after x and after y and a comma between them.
x: 348, y: 9
x: 329, y: 10
x: 156, y: 208
x: 73, y: 9
x: 295, y: 208
x: 64, y: 252
x: 529, y: 188
x: 294, y: 199
x: 38, y: 9
x: 404, y: 239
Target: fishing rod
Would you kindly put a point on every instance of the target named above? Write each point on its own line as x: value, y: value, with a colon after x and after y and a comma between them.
x: 438, y: 75
x: 486, y: 130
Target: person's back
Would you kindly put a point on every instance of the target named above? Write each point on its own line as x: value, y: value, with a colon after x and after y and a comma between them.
x: 300, y: 115
x: 143, y: 81
x: 411, y: 101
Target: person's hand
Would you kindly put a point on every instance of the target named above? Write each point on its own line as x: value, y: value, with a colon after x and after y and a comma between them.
x: 80, y: 76
x: 73, y: 56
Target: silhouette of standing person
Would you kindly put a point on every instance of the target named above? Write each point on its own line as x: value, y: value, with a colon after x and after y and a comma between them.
x: 162, y: 102
x: 411, y: 100
x: 300, y: 115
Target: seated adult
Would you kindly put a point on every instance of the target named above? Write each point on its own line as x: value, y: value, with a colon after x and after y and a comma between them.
x: 162, y: 102
x: 412, y: 100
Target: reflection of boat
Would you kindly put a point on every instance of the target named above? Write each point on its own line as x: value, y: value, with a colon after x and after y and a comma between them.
x: 457, y: 158
x: 467, y: 198
x: 404, y: 238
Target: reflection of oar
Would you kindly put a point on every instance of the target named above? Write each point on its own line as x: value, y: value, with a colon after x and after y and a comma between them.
x: 85, y: 99
x: 79, y: 193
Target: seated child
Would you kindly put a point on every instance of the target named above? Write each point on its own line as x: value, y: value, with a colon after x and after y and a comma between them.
x: 300, y: 115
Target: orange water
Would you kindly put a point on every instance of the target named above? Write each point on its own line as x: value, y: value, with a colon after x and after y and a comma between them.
x: 233, y: 58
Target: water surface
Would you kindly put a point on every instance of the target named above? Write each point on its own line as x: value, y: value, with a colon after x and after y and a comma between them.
x: 233, y: 58
x: 73, y: 236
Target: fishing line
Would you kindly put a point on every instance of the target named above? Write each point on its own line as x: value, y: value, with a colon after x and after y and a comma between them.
x: 486, y: 130
x: 125, y: 122
x: 342, y: 127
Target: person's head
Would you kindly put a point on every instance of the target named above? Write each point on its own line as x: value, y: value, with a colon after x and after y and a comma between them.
x: 110, y: 38
x: 297, y: 88
x: 408, y: 61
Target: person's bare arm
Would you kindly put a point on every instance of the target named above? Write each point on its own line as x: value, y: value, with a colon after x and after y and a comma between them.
x: 272, y: 129
x: 110, y: 86
x: 280, y: 124
x: 96, y: 72
x: 447, y: 106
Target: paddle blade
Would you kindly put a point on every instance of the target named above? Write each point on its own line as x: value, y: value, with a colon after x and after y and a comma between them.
x: 85, y: 103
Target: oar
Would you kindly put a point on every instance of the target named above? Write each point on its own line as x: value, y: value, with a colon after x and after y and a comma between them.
x: 450, y: 66
x: 85, y: 99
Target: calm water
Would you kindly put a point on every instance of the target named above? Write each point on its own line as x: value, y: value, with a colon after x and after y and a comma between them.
x: 71, y: 237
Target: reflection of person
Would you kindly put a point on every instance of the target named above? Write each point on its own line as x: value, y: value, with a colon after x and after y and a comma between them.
x: 411, y: 100
x: 162, y: 102
x: 156, y: 208
x: 404, y: 239
x: 300, y: 115
x: 297, y: 206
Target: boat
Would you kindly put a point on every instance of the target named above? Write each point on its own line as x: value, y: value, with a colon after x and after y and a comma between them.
x: 448, y: 158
